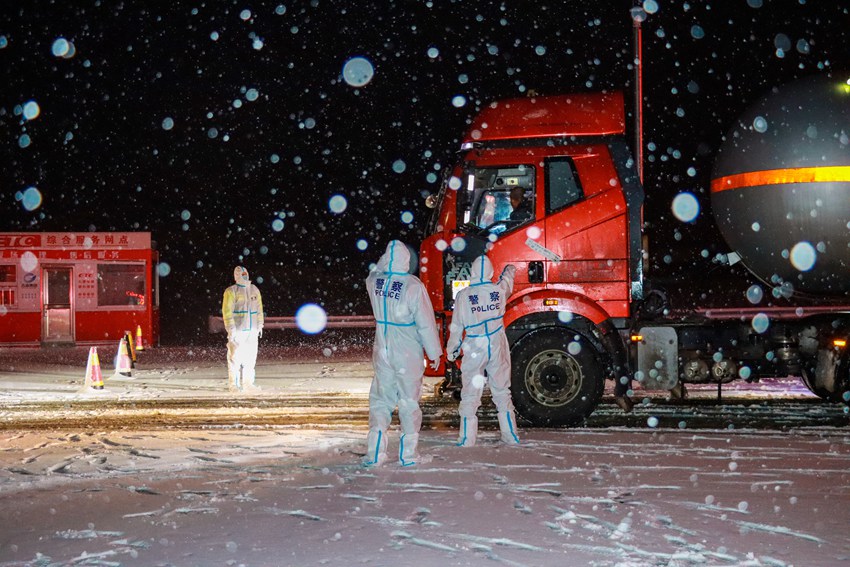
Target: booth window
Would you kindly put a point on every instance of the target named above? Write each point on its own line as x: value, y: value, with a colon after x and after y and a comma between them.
x: 7, y: 285
x: 120, y: 284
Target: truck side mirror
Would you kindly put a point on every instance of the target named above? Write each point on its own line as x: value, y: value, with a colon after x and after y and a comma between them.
x: 464, y: 204
x: 463, y: 199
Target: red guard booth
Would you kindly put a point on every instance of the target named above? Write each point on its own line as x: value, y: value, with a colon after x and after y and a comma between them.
x: 77, y: 287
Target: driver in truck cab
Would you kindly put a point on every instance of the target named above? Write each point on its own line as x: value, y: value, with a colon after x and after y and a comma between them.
x: 521, y: 209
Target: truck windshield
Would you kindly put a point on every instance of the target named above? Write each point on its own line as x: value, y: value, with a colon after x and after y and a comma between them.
x: 498, y: 196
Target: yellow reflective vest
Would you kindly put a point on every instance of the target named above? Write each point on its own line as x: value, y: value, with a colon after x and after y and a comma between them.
x: 242, y: 308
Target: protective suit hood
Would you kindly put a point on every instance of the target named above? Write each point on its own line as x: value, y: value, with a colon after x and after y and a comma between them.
x: 395, y: 259
x: 481, y: 270
x: 240, y: 275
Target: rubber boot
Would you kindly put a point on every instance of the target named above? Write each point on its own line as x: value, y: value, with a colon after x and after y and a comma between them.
x: 507, y: 425
x: 376, y: 448
x: 468, y: 431
x: 236, y: 384
x: 249, y: 382
x: 407, y: 453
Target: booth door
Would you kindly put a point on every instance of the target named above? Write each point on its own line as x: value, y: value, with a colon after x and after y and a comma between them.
x: 57, y: 321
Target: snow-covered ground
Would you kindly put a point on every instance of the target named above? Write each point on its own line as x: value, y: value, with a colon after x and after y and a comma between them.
x: 297, y: 495
x: 300, y: 497
x: 57, y: 374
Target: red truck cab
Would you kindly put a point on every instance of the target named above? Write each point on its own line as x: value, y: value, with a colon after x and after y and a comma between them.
x: 577, y: 255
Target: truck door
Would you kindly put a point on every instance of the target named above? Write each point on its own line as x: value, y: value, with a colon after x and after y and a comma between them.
x: 586, y: 228
x: 57, y: 317
x: 561, y: 189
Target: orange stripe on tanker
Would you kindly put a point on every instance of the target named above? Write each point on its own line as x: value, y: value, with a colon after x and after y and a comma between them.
x: 781, y: 176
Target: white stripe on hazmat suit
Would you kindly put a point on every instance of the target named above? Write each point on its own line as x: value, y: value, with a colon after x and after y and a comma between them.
x: 242, y: 312
x: 478, y: 314
x: 405, y: 326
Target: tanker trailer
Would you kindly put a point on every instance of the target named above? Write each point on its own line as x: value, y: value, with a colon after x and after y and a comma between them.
x: 780, y: 195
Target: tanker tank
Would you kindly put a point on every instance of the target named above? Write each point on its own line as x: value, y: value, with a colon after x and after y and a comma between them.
x: 780, y: 190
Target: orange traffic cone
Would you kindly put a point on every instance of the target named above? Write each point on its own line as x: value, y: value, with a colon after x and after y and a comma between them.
x: 139, y: 345
x: 123, y: 364
x: 129, y: 336
x: 94, y: 377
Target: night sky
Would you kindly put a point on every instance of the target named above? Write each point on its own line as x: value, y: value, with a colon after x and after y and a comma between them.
x: 225, y: 128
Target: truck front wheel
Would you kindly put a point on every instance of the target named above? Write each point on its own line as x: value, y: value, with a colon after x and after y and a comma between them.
x: 557, y: 378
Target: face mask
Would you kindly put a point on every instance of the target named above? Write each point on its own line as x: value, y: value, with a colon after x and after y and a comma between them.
x: 240, y: 275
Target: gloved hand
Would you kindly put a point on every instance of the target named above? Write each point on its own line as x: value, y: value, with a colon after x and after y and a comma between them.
x: 435, y: 364
x: 451, y: 357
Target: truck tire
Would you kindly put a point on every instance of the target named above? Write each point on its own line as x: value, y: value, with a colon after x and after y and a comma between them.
x: 557, y: 378
x: 841, y: 380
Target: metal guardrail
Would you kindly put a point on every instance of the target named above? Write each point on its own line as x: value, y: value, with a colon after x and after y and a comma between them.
x: 215, y: 324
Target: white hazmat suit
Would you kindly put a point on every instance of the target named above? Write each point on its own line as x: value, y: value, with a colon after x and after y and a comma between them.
x: 242, y: 311
x: 478, y: 330
x: 405, y: 325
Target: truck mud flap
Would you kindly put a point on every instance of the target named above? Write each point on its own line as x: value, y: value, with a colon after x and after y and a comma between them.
x: 658, y: 358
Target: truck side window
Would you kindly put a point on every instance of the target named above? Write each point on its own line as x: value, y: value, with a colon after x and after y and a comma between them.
x: 562, y: 184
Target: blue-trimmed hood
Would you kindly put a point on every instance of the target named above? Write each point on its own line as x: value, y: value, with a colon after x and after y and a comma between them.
x: 395, y: 259
x: 481, y: 270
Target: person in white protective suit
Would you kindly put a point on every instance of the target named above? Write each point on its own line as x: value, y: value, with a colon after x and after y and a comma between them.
x: 242, y: 311
x: 478, y: 331
x: 405, y: 325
